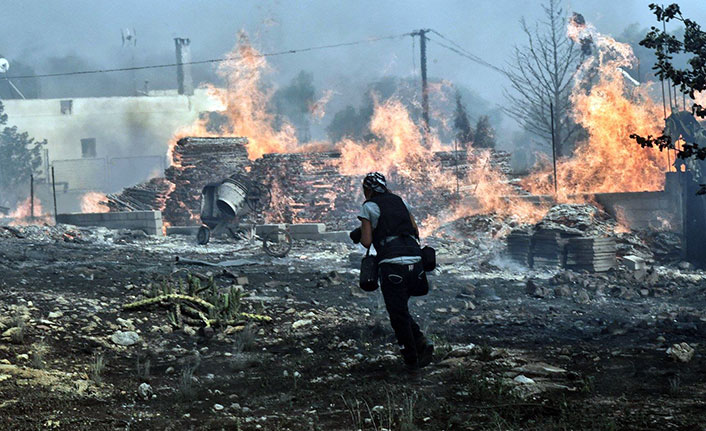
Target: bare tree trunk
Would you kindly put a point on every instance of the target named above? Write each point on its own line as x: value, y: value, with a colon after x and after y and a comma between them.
x: 542, y: 72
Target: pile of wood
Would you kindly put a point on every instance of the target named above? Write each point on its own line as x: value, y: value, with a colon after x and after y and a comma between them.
x: 197, y: 162
x: 305, y: 187
x: 146, y: 196
x: 519, y: 246
x: 308, y: 187
x: 547, y: 248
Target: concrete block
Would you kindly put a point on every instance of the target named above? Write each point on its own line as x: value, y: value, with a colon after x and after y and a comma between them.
x: 336, y: 236
x: 309, y: 236
x: 306, y: 228
x: 634, y: 263
x: 264, y: 229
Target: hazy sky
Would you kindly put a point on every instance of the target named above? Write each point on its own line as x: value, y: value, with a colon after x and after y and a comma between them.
x: 34, y: 30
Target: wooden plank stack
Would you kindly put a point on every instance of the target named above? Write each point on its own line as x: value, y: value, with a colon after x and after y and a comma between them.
x: 146, y: 196
x: 308, y: 187
x: 519, y: 246
x: 592, y: 254
x: 197, y: 162
x: 547, y: 248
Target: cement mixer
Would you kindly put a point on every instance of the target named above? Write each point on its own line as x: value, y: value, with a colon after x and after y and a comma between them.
x: 226, y: 203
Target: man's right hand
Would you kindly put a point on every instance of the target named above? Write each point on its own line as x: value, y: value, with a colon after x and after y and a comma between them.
x: 355, y: 235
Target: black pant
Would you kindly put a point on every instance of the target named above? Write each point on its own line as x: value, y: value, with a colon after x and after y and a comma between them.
x: 397, y: 283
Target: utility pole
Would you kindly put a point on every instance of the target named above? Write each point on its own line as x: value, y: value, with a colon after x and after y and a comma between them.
x: 425, y: 91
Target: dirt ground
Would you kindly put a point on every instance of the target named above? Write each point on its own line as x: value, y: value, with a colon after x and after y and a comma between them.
x: 581, y: 352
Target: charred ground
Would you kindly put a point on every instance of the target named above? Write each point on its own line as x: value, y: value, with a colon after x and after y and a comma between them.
x: 592, y: 350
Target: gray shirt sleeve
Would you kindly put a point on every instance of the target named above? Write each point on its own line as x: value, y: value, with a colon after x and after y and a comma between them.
x: 370, y: 212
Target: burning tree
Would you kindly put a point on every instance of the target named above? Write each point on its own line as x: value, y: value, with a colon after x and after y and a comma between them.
x: 20, y: 155
x: 541, y: 73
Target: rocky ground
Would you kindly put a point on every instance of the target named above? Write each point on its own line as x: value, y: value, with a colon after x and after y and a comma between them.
x: 515, y: 348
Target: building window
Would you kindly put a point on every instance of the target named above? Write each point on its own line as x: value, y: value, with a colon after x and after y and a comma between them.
x: 66, y: 106
x: 88, y: 147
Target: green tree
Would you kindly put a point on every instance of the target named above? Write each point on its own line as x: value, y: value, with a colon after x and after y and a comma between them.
x: 485, y: 134
x: 462, y: 126
x: 20, y: 155
x: 347, y: 123
x: 294, y: 102
x: 690, y: 80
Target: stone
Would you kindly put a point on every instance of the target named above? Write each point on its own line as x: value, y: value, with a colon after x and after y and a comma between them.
x: 218, y: 407
x: 13, y: 334
x: 125, y: 338
x: 125, y: 323
x: 685, y: 266
x: 634, y: 263
x: 300, y: 323
x: 532, y: 288
x: 581, y: 297
x: 562, y: 291
x: 145, y: 391
x: 681, y: 352
x: 55, y: 314
x: 523, y: 380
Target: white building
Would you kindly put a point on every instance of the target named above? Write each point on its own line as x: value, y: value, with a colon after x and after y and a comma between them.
x: 106, y: 143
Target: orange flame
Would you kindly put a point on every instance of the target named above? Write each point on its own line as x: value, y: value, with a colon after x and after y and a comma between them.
x: 608, y: 160
x: 22, y: 215
x: 94, y: 202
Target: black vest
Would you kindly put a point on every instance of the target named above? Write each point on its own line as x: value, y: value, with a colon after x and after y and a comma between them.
x: 394, y: 221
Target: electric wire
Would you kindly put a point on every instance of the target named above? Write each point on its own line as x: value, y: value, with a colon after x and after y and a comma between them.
x: 458, y: 49
x: 215, y: 60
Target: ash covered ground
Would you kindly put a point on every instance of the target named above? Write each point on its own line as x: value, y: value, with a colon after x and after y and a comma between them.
x: 516, y: 348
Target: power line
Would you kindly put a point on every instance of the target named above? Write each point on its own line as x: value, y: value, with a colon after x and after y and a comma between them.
x: 456, y: 48
x: 215, y: 60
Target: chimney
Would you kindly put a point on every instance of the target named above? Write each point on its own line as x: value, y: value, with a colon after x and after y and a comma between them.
x: 183, y: 57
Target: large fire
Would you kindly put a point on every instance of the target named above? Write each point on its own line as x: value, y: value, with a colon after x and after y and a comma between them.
x: 608, y: 160
x: 607, y: 107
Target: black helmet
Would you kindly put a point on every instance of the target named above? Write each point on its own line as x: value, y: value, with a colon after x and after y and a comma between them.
x: 375, y: 181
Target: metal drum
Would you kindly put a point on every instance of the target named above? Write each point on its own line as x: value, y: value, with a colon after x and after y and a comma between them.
x: 231, y: 196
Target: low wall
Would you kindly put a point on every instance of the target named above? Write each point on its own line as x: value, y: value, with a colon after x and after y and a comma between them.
x: 642, y: 210
x: 148, y: 221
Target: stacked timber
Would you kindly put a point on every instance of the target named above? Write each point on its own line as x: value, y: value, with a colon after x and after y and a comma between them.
x: 197, y: 162
x: 591, y: 254
x: 309, y: 187
x: 547, y: 248
x: 147, y: 196
x: 519, y: 247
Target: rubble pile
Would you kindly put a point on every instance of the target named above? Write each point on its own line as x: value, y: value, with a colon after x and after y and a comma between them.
x: 574, y: 236
x: 499, y: 161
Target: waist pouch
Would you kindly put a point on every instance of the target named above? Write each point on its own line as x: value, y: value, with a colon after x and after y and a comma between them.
x: 400, y: 246
x: 369, y: 273
x: 428, y: 258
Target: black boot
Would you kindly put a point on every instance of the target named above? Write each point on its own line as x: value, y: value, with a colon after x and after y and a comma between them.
x: 410, y: 358
x: 425, y: 351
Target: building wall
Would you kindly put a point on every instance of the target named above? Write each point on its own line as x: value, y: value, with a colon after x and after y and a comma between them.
x: 123, y: 128
x: 642, y: 210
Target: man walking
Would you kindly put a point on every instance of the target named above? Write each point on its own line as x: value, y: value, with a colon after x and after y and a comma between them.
x: 387, y: 223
